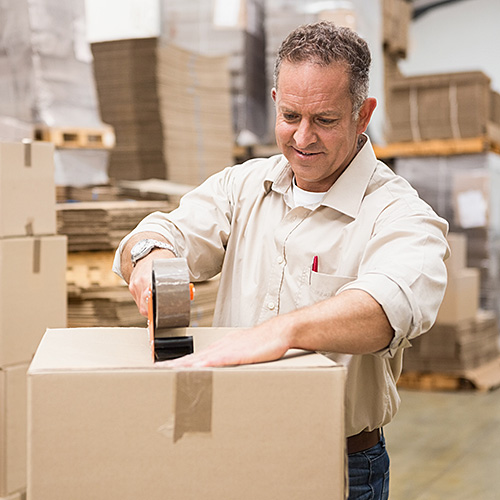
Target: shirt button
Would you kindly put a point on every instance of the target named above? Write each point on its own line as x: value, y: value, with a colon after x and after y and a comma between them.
x: 271, y: 305
x: 279, y: 260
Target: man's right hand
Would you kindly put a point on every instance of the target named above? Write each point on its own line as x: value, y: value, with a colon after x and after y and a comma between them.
x: 139, y: 277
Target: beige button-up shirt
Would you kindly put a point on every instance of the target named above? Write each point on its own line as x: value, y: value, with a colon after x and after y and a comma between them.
x: 371, y: 232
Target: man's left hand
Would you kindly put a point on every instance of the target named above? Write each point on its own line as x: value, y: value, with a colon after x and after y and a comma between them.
x: 253, y: 345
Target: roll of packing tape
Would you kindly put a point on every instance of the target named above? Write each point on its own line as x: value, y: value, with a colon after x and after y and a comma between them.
x: 171, y: 293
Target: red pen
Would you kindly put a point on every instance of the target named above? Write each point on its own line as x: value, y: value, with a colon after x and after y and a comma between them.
x: 315, y: 264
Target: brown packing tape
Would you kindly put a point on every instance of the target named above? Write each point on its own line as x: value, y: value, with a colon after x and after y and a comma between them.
x: 193, y: 403
x: 37, y: 250
x: 172, y: 293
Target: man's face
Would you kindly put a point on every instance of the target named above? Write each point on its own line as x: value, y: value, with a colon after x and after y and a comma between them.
x: 315, y: 129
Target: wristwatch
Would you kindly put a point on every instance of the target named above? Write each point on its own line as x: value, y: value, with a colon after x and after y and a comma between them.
x: 144, y: 247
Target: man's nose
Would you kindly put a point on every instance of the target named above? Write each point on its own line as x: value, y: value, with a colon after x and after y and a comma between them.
x: 304, y: 135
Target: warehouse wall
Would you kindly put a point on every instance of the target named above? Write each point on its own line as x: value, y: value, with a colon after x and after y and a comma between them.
x: 116, y: 19
x: 459, y: 36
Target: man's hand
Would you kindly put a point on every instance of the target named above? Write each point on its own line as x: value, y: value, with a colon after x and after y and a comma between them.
x: 140, y: 283
x: 252, y: 345
x: 139, y: 277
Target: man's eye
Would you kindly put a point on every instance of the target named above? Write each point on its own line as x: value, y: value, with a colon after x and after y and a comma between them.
x: 289, y: 117
x: 325, y: 121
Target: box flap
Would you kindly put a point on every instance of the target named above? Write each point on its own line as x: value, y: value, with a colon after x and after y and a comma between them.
x: 76, y: 349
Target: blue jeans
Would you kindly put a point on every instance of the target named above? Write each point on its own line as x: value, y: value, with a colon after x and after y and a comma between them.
x: 369, y: 473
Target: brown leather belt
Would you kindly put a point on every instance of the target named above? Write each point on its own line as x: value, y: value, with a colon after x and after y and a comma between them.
x: 362, y: 441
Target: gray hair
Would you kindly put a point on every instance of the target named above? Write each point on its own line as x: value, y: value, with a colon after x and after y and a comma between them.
x: 324, y: 43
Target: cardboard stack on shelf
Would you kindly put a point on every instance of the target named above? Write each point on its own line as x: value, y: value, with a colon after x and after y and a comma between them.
x: 100, y: 225
x: 32, y: 290
x: 170, y: 107
x: 125, y: 72
x: 464, y: 336
x: 443, y: 106
x: 97, y: 297
x: 211, y: 28
x: 195, y: 108
x: 48, y: 89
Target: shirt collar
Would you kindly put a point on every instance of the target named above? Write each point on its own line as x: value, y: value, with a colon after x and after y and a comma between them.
x: 347, y: 192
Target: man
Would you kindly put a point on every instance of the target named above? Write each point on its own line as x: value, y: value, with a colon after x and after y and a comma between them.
x: 321, y: 248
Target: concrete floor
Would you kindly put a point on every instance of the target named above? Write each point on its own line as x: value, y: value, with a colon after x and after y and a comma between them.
x: 445, y: 446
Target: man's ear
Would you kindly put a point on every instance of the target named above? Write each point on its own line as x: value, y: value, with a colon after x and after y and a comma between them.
x: 365, y: 114
x: 273, y: 94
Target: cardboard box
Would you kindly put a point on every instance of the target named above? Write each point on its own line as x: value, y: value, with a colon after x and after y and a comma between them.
x: 461, y: 299
x: 27, y: 189
x: 449, y: 348
x: 105, y: 422
x: 458, y: 253
x: 13, y: 425
x: 441, y: 106
x: 32, y: 293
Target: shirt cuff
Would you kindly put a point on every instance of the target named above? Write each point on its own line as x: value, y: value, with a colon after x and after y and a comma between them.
x: 396, y: 301
x: 143, y: 227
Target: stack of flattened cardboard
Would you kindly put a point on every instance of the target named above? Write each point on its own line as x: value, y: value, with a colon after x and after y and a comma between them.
x: 464, y: 336
x: 196, y: 114
x: 103, y: 306
x: 218, y: 29
x: 125, y: 72
x: 32, y: 290
x: 442, y: 106
x: 100, y: 225
x: 154, y: 189
x: 97, y: 297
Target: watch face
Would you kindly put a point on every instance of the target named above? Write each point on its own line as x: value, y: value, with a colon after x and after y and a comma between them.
x: 140, y: 249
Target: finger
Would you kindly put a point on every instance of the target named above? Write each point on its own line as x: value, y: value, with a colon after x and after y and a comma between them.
x: 144, y: 303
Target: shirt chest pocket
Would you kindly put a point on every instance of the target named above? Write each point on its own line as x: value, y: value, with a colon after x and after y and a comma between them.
x: 322, y: 286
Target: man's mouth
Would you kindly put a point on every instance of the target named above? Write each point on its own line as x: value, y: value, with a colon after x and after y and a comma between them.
x: 304, y: 153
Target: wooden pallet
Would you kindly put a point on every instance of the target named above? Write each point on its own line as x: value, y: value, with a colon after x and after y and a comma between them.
x: 91, y: 269
x: 482, y: 378
x: 433, y: 382
x: 77, y: 137
x: 437, y: 147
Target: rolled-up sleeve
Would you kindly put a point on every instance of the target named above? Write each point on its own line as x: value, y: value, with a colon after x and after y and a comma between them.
x: 403, y: 269
x: 198, y: 228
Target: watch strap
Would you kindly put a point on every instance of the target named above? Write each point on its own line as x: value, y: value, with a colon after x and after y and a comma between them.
x: 151, y: 245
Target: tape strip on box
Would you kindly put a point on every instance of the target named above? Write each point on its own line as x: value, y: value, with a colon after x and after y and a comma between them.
x: 193, y: 402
